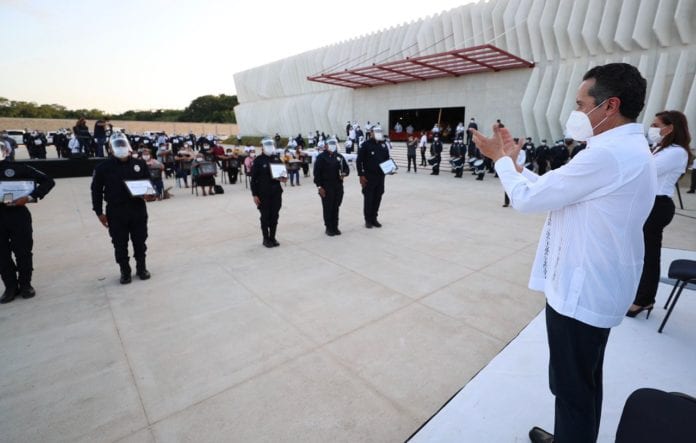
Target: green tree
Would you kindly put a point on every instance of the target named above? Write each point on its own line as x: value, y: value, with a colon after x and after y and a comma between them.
x: 211, y: 109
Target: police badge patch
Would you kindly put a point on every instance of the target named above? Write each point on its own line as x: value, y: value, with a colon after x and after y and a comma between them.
x: 9, y: 173
x: 136, y: 168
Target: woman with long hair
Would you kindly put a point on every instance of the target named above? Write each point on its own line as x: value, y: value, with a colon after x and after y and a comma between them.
x: 670, y: 138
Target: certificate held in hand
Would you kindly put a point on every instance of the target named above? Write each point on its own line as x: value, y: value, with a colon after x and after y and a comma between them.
x: 278, y: 171
x: 140, y: 188
x: 388, y: 167
x: 12, y: 190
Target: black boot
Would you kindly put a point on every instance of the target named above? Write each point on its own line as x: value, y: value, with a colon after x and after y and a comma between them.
x: 8, y: 295
x: 140, y: 269
x: 26, y: 291
x: 271, y: 235
x: 125, y: 273
x: 266, y: 239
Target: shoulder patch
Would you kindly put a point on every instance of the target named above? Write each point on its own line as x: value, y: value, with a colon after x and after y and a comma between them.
x: 9, y: 173
x: 136, y: 168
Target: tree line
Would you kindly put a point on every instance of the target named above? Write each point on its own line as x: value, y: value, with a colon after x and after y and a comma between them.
x: 204, y: 109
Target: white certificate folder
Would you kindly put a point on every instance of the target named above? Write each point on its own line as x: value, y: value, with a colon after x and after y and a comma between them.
x: 278, y: 170
x: 388, y: 167
x: 11, y: 190
x: 139, y: 188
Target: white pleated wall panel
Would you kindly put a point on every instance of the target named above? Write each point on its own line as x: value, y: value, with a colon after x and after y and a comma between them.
x: 535, y: 41
x: 590, y: 28
x: 684, y: 19
x: 690, y: 106
x: 657, y: 88
x: 676, y: 99
x: 487, y: 21
x: 643, y: 33
x: 521, y: 31
x: 541, y: 103
x: 527, y: 105
x: 575, y: 23
x: 467, y: 29
x: 560, y: 28
x: 607, y: 27
x: 556, y: 99
x: 457, y: 27
x: 438, y: 36
x: 664, y: 24
x: 546, y: 28
x: 498, y: 23
x: 475, y: 23
x: 509, y: 23
x: 626, y: 23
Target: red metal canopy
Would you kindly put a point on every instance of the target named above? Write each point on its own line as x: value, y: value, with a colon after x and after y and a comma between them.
x: 444, y: 64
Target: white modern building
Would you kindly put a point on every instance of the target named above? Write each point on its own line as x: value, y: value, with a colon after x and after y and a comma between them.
x: 515, y: 60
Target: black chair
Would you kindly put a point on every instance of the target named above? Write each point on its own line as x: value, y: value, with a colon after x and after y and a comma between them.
x: 684, y: 271
x: 651, y: 416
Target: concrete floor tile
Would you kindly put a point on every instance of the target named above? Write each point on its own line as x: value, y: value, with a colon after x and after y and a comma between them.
x: 288, y: 405
x: 495, y: 306
x: 179, y: 363
x: 417, y: 357
x: 68, y: 379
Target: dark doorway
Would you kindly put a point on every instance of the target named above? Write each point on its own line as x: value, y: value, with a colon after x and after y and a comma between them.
x: 423, y: 119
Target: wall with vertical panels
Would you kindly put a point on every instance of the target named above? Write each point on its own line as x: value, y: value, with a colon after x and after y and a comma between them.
x: 563, y: 37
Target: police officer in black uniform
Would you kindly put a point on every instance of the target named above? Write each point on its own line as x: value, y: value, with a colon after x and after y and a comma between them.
x: 15, y: 226
x: 329, y: 170
x: 457, y: 153
x: 371, y: 154
x: 436, y: 152
x: 267, y: 192
x: 530, y: 152
x: 126, y: 216
x: 542, y: 157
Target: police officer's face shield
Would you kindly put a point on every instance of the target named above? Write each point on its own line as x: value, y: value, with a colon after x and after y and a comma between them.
x: 268, y: 147
x: 332, y: 145
x: 378, y: 134
x: 120, y: 147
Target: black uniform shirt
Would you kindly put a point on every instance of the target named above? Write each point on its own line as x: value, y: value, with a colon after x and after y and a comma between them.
x: 370, y: 155
x: 107, y: 182
x: 262, y: 181
x: 14, y: 171
x: 328, y: 169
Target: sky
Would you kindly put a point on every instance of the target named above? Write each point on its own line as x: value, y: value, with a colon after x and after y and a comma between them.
x: 156, y: 54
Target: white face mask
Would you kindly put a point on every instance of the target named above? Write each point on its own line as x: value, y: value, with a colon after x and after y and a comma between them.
x: 578, y: 126
x: 120, y: 152
x: 379, y: 136
x: 332, y: 147
x: 654, y: 136
x: 268, y: 150
x: 146, y: 157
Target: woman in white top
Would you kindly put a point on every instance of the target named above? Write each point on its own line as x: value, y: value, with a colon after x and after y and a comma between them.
x: 670, y: 138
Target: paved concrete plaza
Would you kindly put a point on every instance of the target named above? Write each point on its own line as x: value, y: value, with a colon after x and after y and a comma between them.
x: 361, y: 337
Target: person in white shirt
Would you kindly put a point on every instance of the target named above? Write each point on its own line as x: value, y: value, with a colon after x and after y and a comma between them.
x: 423, y: 145
x: 669, y: 135
x: 590, y: 253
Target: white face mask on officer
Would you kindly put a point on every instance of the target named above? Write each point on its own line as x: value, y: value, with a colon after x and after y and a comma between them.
x: 378, y: 134
x: 654, y: 136
x: 579, y: 127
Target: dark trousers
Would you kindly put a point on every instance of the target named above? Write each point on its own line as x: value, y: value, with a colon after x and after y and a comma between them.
x: 270, y: 209
x: 507, y: 200
x: 412, y: 158
x: 575, y: 376
x: 423, y: 162
x: 372, y: 193
x: 436, y: 166
x: 692, y: 188
x: 542, y: 167
x: 232, y: 174
x: 126, y: 221
x: 16, y: 238
x: 330, y: 205
x: 660, y: 216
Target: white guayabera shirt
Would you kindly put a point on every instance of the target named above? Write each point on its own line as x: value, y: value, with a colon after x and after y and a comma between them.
x: 590, y: 254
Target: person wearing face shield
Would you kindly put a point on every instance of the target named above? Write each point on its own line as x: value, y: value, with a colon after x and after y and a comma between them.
x: 126, y: 216
x: 330, y: 168
x: 371, y: 154
x: 15, y: 225
x: 436, y: 153
x: 267, y: 192
x: 590, y: 254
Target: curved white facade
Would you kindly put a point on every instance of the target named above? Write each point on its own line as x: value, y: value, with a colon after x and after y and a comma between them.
x: 563, y: 37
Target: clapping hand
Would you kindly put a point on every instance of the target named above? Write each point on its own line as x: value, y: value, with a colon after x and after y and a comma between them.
x: 501, y: 144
